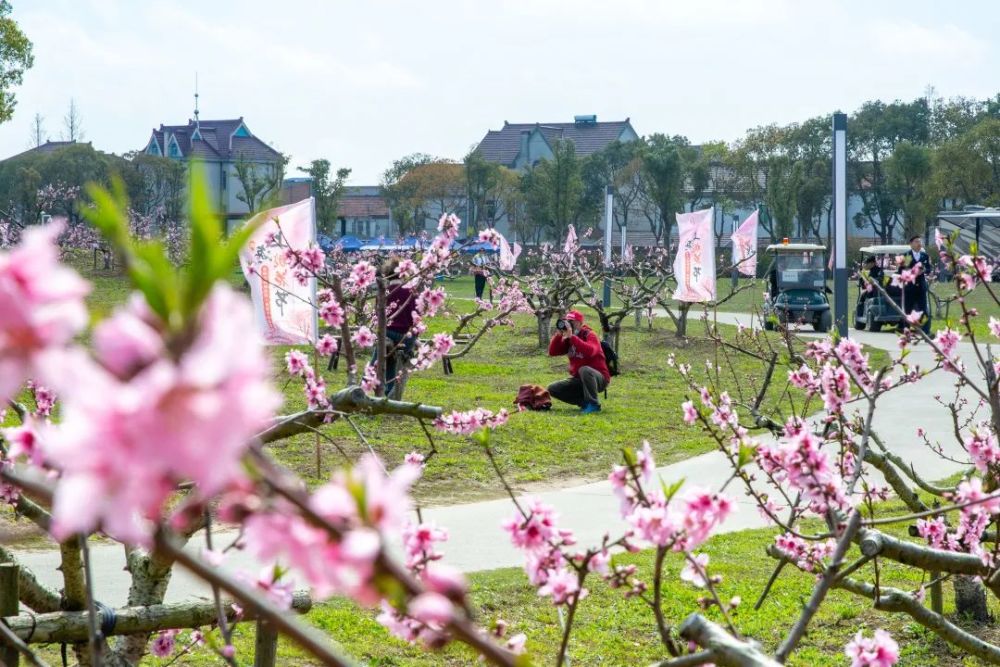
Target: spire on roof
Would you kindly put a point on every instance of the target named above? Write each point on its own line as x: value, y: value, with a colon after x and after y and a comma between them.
x: 197, y: 122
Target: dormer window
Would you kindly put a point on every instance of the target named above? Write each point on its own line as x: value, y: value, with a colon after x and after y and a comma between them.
x: 174, y: 150
x: 154, y: 148
x: 241, y: 131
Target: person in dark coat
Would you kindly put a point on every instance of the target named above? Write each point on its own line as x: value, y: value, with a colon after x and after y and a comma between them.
x: 915, y: 293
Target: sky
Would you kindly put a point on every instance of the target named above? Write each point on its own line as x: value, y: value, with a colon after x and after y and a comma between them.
x: 362, y: 83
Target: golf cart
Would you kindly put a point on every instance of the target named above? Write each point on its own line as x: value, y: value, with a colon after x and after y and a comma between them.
x: 796, y: 288
x: 873, y: 309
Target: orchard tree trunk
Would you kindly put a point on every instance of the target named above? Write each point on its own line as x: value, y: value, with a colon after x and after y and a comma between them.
x: 970, y: 599
x: 682, y: 318
x: 544, y: 329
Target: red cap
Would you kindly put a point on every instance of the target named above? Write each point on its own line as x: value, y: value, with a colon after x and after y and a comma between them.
x: 574, y: 315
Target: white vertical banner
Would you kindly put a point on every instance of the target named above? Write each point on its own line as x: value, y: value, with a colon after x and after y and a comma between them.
x: 284, y: 308
x: 694, y: 265
x: 745, y: 245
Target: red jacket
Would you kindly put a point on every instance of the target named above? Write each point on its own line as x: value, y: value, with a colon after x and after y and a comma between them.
x: 583, y: 350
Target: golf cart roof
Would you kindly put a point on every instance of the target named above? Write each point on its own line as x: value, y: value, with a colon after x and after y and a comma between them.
x: 885, y: 249
x: 795, y: 247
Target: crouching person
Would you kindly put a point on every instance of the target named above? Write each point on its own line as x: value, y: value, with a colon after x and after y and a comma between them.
x: 588, y: 370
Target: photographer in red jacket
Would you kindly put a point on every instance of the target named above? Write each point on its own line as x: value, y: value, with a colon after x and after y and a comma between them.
x: 588, y: 370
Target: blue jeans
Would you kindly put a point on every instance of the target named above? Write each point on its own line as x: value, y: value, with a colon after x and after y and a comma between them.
x: 393, y: 339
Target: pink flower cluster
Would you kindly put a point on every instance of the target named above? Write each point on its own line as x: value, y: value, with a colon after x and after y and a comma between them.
x: 800, y: 461
x: 430, y: 301
x: 681, y: 523
x: 878, y: 651
x: 306, y: 263
x: 427, y: 353
x: 363, y: 504
x: 330, y: 311
x: 362, y: 277
x: 466, y: 423
x: 983, y: 447
x: 41, y: 306
x: 947, y: 341
x: 144, y: 418
x: 807, y: 556
x: 537, y: 534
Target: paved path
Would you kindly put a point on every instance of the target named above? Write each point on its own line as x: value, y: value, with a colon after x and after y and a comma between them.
x: 477, y: 543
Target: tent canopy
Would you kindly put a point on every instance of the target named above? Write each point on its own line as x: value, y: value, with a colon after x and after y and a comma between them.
x: 971, y: 224
x: 348, y: 243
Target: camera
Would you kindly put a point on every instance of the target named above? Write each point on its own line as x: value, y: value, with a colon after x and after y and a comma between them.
x: 562, y: 325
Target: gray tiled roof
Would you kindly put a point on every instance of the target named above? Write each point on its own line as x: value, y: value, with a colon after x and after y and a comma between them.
x: 217, y: 142
x: 503, y: 145
x: 48, y: 147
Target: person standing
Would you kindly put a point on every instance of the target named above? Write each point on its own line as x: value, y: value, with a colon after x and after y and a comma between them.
x: 915, y: 293
x: 588, y: 369
x: 400, y: 303
x: 479, y: 271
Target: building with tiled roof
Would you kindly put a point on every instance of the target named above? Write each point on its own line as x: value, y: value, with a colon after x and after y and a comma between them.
x: 219, y: 145
x: 522, y: 145
x: 48, y: 148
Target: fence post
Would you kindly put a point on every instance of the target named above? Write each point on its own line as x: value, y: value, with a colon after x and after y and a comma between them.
x: 9, y: 606
x: 266, y: 647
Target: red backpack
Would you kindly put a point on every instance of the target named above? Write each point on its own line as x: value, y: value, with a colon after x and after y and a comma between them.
x: 533, y: 397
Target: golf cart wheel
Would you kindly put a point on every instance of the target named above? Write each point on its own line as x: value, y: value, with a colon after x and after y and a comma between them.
x: 859, y: 324
x: 823, y: 322
x: 768, y: 324
x: 873, y: 326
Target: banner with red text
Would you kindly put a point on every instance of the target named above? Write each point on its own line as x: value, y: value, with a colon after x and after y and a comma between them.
x: 283, y: 306
x: 745, y: 245
x: 694, y: 265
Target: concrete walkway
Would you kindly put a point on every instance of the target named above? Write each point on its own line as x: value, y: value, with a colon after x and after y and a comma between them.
x: 478, y: 543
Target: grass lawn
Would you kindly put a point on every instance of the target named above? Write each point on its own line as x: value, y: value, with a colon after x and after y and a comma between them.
x: 613, y: 630
x: 535, y: 447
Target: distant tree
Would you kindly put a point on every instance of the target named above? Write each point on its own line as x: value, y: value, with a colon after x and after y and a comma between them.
x: 434, y: 189
x: 481, y: 180
x: 554, y: 191
x: 908, y: 171
x: 327, y: 193
x: 156, y: 184
x: 72, y: 123
x: 15, y: 58
x: 875, y: 130
x: 260, y: 181
x: 401, y: 196
x: 663, y: 172
x: 37, y: 136
x: 620, y: 166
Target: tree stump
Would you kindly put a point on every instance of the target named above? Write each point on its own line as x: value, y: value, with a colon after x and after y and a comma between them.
x: 970, y: 599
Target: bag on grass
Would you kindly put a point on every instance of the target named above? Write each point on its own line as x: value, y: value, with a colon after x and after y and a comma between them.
x: 533, y: 397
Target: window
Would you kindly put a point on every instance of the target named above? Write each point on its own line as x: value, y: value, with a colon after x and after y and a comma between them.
x: 174, y: 150
x: 154, y: 148
x: 241, y: 131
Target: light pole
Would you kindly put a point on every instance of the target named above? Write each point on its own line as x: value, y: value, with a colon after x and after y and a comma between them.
x: 609, y: 204
x: 840, y: 222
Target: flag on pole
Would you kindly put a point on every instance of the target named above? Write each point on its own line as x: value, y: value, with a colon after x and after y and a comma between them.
x: 694, y: 265
x: 508, y: 257
x: 745, y: 245
x: 284, y: 309
x: 570, y: 246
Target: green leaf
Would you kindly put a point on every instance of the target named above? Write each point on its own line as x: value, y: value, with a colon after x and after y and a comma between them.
x: 482, y: 437
x: 206, y: 234
x: 746, y: 455
x: 671, y: 490
x: 630, y: 459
